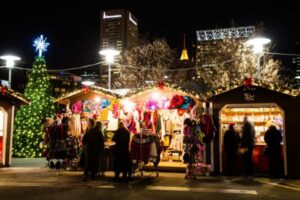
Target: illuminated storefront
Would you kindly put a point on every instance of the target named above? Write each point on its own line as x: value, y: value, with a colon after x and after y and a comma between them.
x: 163, y: 108
x: 262, y: 107
x: 9, y: 102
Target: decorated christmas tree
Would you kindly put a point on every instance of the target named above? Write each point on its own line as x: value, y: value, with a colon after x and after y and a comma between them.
x: 28, y: 127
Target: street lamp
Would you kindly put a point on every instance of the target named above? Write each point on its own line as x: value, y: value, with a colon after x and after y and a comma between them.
x: 258, y: 46
x: 10, y: 62
x: 109, y: 58
x: 87, y: 83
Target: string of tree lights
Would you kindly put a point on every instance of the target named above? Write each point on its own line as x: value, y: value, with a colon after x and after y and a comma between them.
x: 27, y: 128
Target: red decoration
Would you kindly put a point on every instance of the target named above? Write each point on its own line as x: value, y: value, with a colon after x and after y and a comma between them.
x: 176, y: 102
x: 180, y: 112
x: 94, y: 116
x: 161, y: 85
x: 3, y: 90
x: 86, y: 89
x: 248, y: 82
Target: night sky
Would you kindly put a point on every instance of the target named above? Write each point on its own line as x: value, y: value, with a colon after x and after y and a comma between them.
x: 73, y: 27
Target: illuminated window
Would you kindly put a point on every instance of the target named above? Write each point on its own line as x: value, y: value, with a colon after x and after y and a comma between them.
x: 63, y: 90
x: 56, y: 89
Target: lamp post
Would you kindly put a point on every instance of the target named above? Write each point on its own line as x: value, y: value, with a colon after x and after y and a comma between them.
x: 109, y: 58
x: 88, y: 83
x: 258, y: 46
x: 10, y: 62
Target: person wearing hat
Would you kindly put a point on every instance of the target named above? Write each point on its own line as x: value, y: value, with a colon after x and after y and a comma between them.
x: 231, y: 141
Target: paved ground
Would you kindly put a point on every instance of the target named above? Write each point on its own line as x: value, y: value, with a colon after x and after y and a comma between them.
x: 42, y: 183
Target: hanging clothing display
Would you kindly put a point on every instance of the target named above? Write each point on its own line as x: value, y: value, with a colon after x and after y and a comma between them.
x: 74, y: 125
x: 207, y: 127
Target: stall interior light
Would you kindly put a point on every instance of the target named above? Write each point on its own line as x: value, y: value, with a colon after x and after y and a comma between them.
x: 155, y: 95
x: 297, y: 77
x: 128, y: 105
x: 97, y: 99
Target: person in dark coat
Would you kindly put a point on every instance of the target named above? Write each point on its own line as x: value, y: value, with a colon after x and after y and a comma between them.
x: 93, y: 142
x: 273, y: 139
x: 231, y: 142
x: 247, y: 143
x: 122, y: 161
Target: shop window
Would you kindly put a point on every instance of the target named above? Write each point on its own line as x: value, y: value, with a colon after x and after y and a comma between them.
x: 261, y: 116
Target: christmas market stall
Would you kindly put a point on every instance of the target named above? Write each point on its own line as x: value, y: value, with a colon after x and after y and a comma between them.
x: 9, y: 102
x: 74, y: 112
x: 161, y: 110
x: 262, y: 107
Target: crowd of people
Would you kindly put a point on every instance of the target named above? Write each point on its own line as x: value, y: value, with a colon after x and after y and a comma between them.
x: 235, y: 144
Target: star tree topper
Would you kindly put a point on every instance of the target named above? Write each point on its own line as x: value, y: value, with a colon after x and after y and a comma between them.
x: 40, y: 45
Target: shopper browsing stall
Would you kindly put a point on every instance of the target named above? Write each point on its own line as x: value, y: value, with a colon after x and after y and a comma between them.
x: 93, y: 142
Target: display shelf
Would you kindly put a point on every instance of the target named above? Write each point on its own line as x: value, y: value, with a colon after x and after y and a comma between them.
x: 240, y: 122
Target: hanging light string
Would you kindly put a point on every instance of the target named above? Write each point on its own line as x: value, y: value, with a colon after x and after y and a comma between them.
x: 148, y: 69
x: 282, y: 54
x: 66, y: 69
x: 181, y: 69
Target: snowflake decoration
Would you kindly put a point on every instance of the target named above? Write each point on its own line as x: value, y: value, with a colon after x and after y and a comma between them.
x: 40, y: 45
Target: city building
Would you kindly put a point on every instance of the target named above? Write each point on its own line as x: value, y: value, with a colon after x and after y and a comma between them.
x: 207, y: 40
x: 61, y: 83
x: 119, y: 31
x: 296, y: 66
x: 184, y: 54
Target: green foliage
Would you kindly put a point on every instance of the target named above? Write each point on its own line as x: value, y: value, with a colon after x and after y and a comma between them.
x: 27, y: 127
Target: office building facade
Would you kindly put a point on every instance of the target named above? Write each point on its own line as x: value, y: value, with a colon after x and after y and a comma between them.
x: 119, y: 31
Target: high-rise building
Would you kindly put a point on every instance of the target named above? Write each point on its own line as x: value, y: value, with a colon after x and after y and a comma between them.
x: 119, y: 31
x: 296, y: 65
x: 207, y: 42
